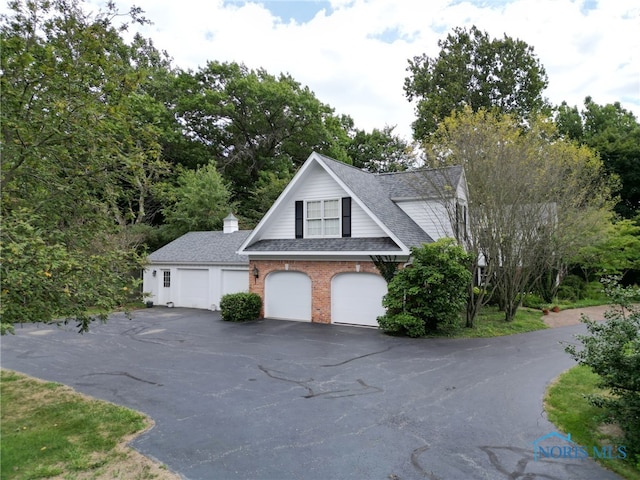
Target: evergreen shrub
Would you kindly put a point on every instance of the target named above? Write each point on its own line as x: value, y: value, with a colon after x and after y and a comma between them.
x: 240, y: 307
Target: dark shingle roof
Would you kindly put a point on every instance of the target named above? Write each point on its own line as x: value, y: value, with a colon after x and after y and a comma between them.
x: 203, y: 248
x: 325, y: 245
x: 374, y: 193
x: 423, y: 183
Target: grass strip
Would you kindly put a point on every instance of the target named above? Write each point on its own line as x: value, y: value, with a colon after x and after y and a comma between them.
x: 567, y: 406
x: 491, y: 323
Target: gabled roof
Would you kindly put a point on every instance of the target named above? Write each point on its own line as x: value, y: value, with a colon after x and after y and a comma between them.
x: 422, y: 183
x: 375, y: 194
x: 203, y: 248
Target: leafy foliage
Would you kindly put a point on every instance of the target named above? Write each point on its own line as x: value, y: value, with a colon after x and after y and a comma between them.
x: 615, y: 134
x: 240, y: 307
x: 478, y: 72
x: 250, y: 121
x: 402, y: 324
x: 612, y: 351
x: 386, y: 265
x: 71, y: 149
x: 615, y: 251
x: 264, y: 193
x: 432, y: 290
x: 199, y: 202
x: 535, y: 200
x: 380, y: 151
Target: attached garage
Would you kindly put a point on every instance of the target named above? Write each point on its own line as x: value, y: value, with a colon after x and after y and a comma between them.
x: 197, y: 269
x: 288, y: 296
x: 356, y: 298
x: 193, y: 288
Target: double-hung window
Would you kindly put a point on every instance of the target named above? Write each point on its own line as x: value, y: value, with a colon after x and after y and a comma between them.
x: 323, y: 218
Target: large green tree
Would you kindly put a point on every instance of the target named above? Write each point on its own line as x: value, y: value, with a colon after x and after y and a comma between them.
x: 473, y: 70
x: 72, y: 148
x: 251, y: 122
x: 200, y: 201
x: 615, y: 251
x: 615, y: 134
x: 380, y: 151
x: 533, y: 200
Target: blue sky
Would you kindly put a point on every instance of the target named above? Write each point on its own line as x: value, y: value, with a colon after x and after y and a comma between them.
x: 302, y: 11
x: 353, y: 53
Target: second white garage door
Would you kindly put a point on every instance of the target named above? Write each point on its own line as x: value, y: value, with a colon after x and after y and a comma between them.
x: 288, y: 296
x: 356, y: 298
x: 193, y: 288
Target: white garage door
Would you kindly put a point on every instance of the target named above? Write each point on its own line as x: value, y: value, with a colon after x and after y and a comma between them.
x: 356, y: 298
x: 288, y: 296
x: 234, y: 281
x: 193, y: 288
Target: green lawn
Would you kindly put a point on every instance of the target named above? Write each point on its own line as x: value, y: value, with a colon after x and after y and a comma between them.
x: 49, y: 430
x: 491, y: 323
x: 567, y: 407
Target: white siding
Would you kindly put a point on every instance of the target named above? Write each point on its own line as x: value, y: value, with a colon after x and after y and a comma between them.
x: 317, y: 185
x: 220, y: 280
x: 430, y: 215
x: 362, y: 225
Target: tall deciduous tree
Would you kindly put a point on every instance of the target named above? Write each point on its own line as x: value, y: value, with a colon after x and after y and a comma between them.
x: 615, y: 134
x: 531, y: 200
x: 252, y: 122
x: 473, y: 70
x: 380, y: 151
x: 69, y: 146
x: 615, y: 251
x: 200, y: 201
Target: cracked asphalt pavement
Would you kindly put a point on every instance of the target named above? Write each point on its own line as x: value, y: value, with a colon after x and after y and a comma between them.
x: 284, y: 400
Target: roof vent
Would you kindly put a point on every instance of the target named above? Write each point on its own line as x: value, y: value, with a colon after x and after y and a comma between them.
x: 230, y: 224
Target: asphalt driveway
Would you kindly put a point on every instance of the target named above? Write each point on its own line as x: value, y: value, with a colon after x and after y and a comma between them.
x: 286, y: 400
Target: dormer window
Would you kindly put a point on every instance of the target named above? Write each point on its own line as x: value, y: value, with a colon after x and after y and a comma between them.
x: 323, y: 218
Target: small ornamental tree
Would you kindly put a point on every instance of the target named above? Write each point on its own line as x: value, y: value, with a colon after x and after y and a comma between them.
x: 612, y: 351
x: 430, y: 293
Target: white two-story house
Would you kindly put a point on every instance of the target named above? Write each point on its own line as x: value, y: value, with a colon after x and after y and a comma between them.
x: 311, y: 256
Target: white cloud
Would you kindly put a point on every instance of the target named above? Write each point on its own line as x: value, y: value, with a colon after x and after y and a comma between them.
x: 338, y: 54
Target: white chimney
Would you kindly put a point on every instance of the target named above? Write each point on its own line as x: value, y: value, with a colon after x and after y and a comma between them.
x: 230, y: 224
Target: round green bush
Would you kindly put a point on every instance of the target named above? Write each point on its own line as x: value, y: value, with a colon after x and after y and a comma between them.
x: 240, y: 307
x: 431, y: 290
x: 572, y: 288
x: 531, y: 300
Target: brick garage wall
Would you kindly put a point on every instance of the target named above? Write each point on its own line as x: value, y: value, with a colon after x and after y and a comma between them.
x: 320, y: 274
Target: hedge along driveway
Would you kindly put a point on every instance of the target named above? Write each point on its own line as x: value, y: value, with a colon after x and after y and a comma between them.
x: 284, y: 400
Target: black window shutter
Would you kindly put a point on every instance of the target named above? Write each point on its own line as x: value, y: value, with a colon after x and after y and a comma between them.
x: 299, y: 219
x: 346, y: 217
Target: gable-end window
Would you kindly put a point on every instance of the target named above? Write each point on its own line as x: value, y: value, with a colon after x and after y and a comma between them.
x: 323, y: 218
x: 166, y: 278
